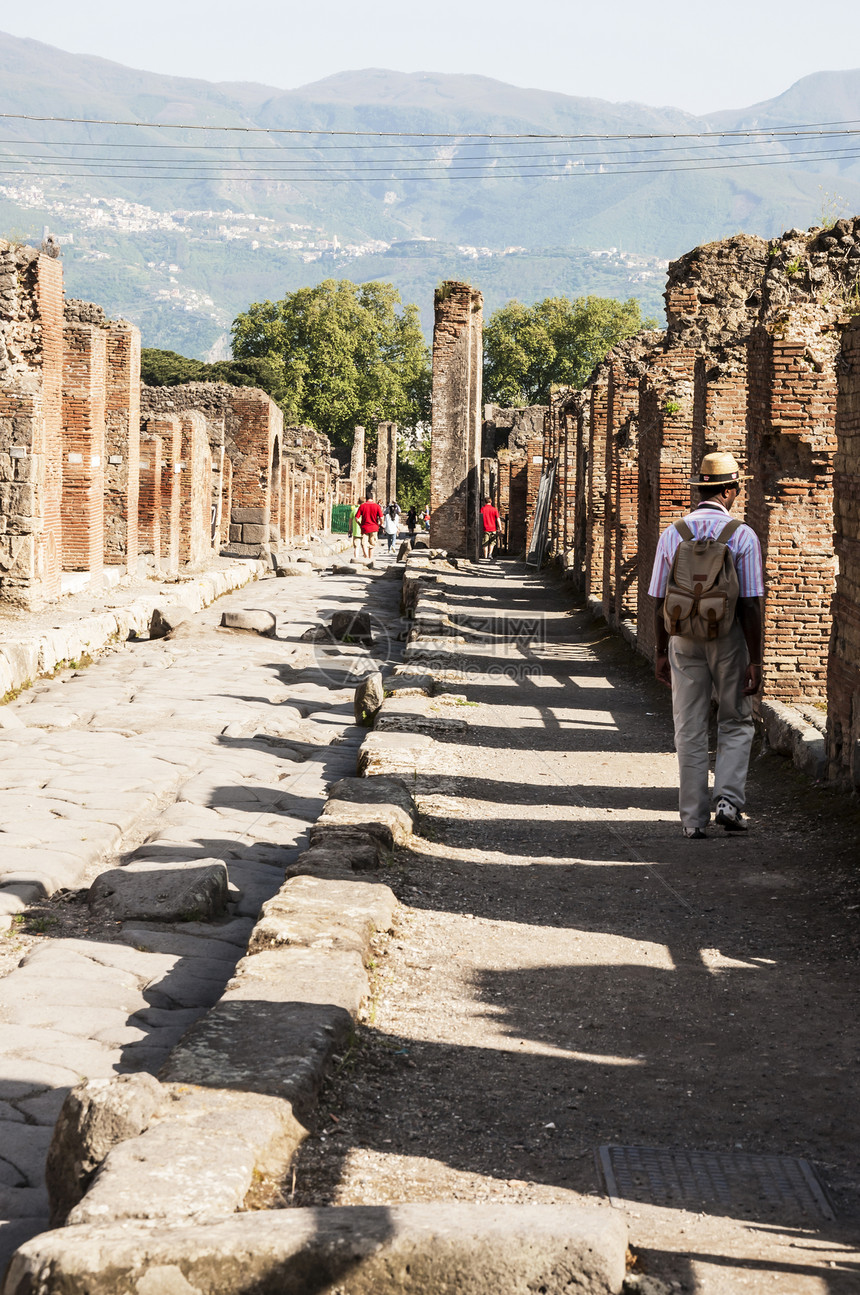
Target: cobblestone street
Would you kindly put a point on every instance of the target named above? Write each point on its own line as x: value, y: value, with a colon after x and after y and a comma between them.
x: 215, y: 746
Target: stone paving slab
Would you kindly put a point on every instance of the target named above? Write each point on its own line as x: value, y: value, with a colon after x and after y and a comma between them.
x: 427, y: 1249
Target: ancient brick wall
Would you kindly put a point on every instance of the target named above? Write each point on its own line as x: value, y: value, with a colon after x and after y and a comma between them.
x: 149, y: 501
x: 456, y: 440
x: 83, y: 475
x: 792, y: 443
x: 843, y: 678
x: 122, y: 443
x: 195, y: 490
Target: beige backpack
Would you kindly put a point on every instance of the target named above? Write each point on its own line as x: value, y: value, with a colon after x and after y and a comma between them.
x: 702, y: 593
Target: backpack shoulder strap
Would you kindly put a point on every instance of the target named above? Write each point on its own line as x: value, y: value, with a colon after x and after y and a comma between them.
x: 728, y: 530
x: 683, y: 530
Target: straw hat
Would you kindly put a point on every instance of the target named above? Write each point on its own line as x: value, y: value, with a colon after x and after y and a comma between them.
x: 718, y: 469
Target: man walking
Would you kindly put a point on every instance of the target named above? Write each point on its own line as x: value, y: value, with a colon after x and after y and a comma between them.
x: 726, y: 666
x: 369, y: 518
x: 490, y: 521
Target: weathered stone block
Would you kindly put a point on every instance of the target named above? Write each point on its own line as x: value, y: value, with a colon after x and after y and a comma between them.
x: 155, y: 892
x: 473, y: 1249
x: 368, y: 698
x: 165, y: 619
x: 252, y: 621
x: 95, y: 1117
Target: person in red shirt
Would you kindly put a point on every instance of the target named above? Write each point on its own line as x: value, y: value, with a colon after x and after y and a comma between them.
x: 492, y: 525
x: 369, y: 518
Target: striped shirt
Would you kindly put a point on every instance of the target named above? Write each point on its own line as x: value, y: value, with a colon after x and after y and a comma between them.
x: 706, y: 523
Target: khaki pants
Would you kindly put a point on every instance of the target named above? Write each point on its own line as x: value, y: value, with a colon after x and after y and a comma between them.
x: 701, y: 671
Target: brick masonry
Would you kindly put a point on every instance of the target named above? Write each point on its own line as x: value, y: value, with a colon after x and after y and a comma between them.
x: 456, y: 440
x: 83, y: 473
x: 386, y: 463
x: 758, y: 359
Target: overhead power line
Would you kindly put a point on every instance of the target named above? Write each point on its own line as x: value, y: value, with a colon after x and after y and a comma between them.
x: 780, y: 131
x: 498, y: 156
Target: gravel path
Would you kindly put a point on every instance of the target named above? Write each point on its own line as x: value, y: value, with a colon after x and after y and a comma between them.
x: 570, y: 973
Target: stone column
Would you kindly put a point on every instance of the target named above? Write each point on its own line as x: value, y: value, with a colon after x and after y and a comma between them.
x: 149, y: 513
x: 168, y: 499
x: 195, y: 489
x: 386, y: 463
x: 83, y: 508
x: 122, y: 444
x: 596, y: 485
x: 357, y: 471
x: 456, y: 440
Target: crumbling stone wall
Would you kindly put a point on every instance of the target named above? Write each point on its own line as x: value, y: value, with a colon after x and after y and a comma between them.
x: 270, y: 484
x: 456, y: 441
x: 31, y: 385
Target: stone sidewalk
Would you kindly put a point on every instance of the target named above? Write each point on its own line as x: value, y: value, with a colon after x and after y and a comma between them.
x: 212, y: 747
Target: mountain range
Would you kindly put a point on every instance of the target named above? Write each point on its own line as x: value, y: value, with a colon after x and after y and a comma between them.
x: 179, y: 229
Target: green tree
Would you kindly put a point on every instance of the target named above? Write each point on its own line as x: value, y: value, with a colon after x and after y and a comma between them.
x: 555, y: 342
x: 347, y: 354
x: 170, y: 369
x: 413, y: 476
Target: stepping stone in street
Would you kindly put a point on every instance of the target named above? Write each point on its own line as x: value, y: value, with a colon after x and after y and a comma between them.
x: 160, y: 893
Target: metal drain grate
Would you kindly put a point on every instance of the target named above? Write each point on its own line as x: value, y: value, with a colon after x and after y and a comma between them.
x: 715, y: 1182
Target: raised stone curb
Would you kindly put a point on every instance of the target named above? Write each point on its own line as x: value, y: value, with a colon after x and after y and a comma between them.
x: 309, y: 912
x: 412, y: 714
x: 379, y: 806
x: 393, y: 753
x: 789, y: 734
x: 360, y: 1250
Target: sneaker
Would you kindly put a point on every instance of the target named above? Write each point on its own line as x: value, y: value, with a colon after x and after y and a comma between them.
x: 730, y: 817
x: 695, y: 833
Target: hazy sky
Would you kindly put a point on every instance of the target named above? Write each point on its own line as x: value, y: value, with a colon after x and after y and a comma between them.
x: 701, y: 55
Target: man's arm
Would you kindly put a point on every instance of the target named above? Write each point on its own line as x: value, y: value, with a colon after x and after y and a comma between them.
x: 662, y: 669
x: 749, y: 615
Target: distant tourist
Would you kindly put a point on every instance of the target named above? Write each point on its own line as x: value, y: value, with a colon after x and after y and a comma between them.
x: 369, y: 518
x: 491, y: 523
x: 390, y: 524
x: 412, y: 525
x: 354, y: 530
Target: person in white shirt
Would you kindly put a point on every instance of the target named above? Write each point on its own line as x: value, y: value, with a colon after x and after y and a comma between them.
x: 727, y: 668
